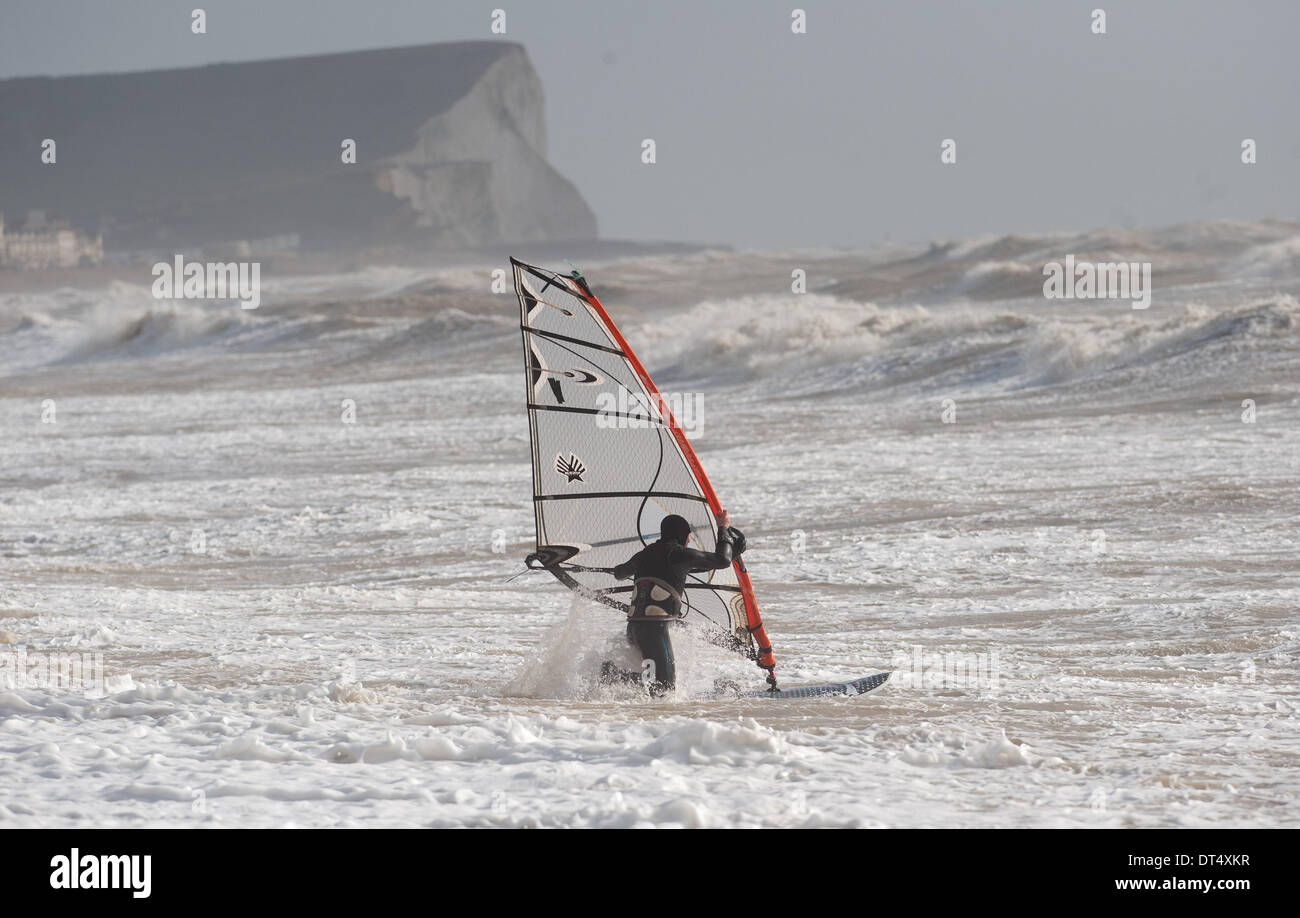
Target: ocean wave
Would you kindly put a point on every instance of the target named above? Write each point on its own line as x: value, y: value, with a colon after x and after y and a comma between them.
x: 1001, y: 280
x: 154, y: 332
x: 816, y: 343
x: 1277, y: 259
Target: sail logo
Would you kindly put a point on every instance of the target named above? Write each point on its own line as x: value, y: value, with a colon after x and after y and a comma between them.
x: 1085, y: 280
x: 572, y: 468
x: 211, y: 280
x: 105, y: 871
x: 637, y: 410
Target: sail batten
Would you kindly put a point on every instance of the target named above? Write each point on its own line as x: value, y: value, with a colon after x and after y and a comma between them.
x: 604, y: 477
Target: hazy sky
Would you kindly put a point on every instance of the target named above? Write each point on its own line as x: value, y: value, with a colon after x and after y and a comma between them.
x: 832, y: 138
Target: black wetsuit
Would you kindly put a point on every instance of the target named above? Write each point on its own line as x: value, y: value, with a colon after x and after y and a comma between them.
x: 660, y: 570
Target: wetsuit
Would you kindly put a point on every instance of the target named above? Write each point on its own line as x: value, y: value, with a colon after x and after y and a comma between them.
x: 660, y: 570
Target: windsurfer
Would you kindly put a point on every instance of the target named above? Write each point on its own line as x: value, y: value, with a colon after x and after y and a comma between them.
x: 660, y: 570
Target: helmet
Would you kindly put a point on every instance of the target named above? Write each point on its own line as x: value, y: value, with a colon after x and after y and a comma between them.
x: 675, y: 529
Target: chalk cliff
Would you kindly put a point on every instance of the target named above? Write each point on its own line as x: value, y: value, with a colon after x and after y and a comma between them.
x: 451, y: 150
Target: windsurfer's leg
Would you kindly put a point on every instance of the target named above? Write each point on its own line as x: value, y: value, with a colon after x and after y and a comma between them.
x: 656, y: 648
x: 613, y: 674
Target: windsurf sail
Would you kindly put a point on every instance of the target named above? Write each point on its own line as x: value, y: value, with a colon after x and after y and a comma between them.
x: 610, y: 461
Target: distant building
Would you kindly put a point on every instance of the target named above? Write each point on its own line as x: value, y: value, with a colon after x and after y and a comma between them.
x: 45, y: 243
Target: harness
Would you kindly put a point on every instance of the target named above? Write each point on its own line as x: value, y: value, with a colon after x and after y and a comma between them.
x: 655, y: 600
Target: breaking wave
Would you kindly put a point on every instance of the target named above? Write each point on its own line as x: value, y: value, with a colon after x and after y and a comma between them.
x: 815, y: 343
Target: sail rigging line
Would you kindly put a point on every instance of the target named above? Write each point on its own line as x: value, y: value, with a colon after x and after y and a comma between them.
x: 659, y: 467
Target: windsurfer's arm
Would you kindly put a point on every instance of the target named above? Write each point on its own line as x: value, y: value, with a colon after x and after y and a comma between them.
x: 627, y: 568
x: 721, y: 556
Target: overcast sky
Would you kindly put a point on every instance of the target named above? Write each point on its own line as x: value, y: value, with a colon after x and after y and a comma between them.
x: 766, y: 138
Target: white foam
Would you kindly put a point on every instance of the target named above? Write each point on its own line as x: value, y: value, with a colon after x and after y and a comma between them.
x: 1099, y: 514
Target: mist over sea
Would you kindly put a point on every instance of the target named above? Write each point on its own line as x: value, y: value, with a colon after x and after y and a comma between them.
x: 291, y: 532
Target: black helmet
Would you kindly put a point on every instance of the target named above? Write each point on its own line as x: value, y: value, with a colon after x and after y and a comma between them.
x: 675, y: 529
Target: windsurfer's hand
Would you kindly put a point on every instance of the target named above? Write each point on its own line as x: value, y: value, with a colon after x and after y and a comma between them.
x: 723, y: 518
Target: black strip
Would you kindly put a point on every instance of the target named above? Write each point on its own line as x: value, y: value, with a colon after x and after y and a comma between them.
x: 557, y: 336
x: 540, y: 273
x: 650, y: 422
x: 537, y: 497
x: 608, y: 542
x: 689, y: 586
x: 591, y: 363
x: 628, y: 589
x: 597, y: 595
x: 696, y: 581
